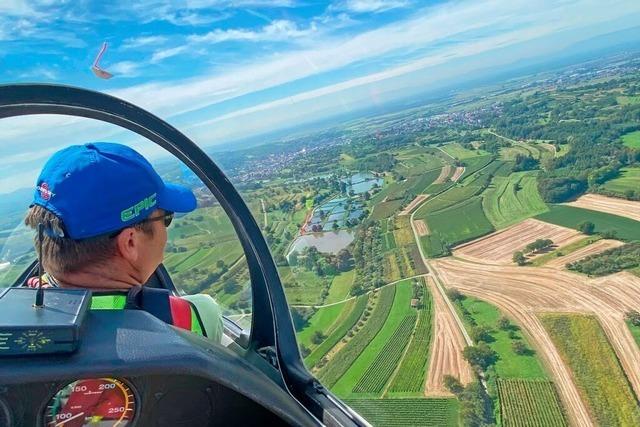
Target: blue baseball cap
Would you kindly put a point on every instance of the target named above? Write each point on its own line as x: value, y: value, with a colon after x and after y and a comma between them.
x: 103, y: 187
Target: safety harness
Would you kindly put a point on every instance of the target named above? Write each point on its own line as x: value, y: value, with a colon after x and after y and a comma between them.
x: 160, y: 303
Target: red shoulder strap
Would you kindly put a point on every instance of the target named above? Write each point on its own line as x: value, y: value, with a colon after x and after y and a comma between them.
x: 180, y: 312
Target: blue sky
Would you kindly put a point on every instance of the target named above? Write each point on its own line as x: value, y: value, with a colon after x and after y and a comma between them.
x: 222, y: 70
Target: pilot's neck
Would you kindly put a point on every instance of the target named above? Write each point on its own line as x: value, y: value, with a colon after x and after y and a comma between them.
x: 100, y: 278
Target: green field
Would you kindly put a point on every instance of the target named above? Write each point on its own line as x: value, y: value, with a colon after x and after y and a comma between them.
x: 510, y: 200
x: 323, y: 320
x: 348, y: 318
x: 347, y: 355
x: 631, y: 140
x: 635, y: 331
x: 436, y: 412
x: 456, y: 150
x: 302, y: 286
x: 569, y: 216
x: 474, y: 313
x: 564, y: 250
x: 410, y: 377
x: 629, y: 179
x: 463, y: 222
x: 628, y: 100
x: 400, y: 309
x: 529, y: 403
x: 340, y: 287
x: 599, y: 377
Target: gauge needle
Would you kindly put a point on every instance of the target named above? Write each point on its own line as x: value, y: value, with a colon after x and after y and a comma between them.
x: 69, y: 419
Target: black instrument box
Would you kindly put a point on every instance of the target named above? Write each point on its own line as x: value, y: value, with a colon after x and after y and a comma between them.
x: 53, y: 328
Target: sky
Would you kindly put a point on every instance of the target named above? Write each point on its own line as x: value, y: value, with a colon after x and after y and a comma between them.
x: 221, y: 70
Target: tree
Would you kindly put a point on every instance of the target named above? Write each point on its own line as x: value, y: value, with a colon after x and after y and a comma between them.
x: 519, y: 348
x: 452, y: 384
x: 586, y: 227
x: 454, y: 294
x: 481, y: 333
x: 220, y: 263
x: 480, y: 356
x: 318, y: 337
x: 633, y: 317
x: 504, y: 323
x: 519, y: 258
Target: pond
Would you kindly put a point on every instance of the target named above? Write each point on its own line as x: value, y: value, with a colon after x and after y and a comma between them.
x: 362, y: 182
x: 327, y: 242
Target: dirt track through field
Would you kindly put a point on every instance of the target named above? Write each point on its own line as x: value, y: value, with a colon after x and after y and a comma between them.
x: 522, y: 292
x: 414, y: 203
x: 421, y: 227
x: 499, y: 247
x: 611, y: 205
x: 444, y: 174
x: 458, y: 173
x: 446, y: 348
x: 592, y: 249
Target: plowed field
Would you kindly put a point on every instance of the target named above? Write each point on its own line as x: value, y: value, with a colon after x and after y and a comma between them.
x: 523, y: 292
x: 595, y: 248
x: 421, y: 227
x: 499, y: 247
x: 611, y: 205
x: 414, y: 203
x: 446, y: 348
x: 444, y: 174
x: 457, y: 174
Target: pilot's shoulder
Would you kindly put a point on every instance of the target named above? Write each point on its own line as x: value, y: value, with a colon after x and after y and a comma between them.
x: 209, y: 312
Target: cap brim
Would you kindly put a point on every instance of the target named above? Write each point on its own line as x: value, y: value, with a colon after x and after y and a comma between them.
x: 177, y: 198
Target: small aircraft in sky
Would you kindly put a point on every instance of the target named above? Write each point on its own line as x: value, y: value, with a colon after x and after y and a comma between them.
x: 99, y: 72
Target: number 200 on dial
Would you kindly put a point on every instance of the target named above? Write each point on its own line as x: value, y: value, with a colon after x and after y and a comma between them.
x: 103, y: 402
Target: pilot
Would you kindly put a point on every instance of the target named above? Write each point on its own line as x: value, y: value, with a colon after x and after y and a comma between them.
x: 104, y: 212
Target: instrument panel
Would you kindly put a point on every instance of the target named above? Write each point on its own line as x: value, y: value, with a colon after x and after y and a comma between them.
x: 169, y: 400
x: 108, y: 402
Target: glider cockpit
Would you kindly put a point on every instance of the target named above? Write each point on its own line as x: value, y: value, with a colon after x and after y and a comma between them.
x: 129, y: 368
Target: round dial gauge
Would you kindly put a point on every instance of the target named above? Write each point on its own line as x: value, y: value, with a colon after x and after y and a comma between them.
x: 104, y: 402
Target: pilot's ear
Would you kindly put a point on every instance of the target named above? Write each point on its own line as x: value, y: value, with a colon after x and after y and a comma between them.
x: 128, y: 244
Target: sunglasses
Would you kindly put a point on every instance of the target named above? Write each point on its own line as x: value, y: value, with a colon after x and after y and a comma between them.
x: 167, y: 218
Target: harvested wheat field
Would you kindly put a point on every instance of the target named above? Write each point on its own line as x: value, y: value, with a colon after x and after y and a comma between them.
x: 610, y: 205
x: 414, y: 203
x: 592, y: 249
x: 446, y: 348
x: 457, y: 174
x: 498, y: 247
x: 444, y: 174
x: 521, y: 292
x: 421, y: 227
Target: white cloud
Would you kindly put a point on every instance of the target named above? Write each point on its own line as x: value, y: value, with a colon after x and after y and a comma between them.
x: 366, y: 6
x: 138, y: 42
x: 167, y: 53
x: 277, y: 30
x: 125, y: 69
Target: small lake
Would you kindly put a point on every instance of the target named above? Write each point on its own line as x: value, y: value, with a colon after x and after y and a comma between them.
x: 363, y: 182
x: 327, y: 242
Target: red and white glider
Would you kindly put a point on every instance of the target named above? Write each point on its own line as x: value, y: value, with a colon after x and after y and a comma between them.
x: 99, y: 72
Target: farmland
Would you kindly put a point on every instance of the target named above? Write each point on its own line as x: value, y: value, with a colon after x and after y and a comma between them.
x: 346, y: 356
x: 460, y: 223
x: 345, y: 322
x: 529, y: 403
x: 434, y: 412
x: 629, y: 180
x: 410, y: 377
x: 632, y: 140
x: 601, y: 381
x: 570, y: 216
x: 376, y: 362
x: 323, y: 321
x: 479, y: 314
x: 500, y: 246
x: 611, y: 205
x: 512, y: 199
